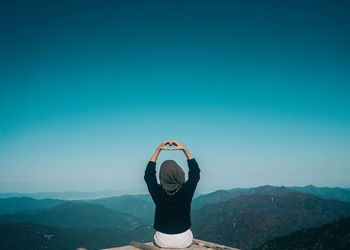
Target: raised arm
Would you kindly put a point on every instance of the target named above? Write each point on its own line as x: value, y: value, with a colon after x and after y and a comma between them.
x: 181, y: 147
x: 193, y: 168
x: 161, y: 147
x: 150, y: 172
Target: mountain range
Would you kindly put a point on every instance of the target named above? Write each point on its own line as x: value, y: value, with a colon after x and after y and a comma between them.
x: 242, y: 218
x: 19, y: 236
x: 142, y: 205
x: 248, y: 221
x: 333, y: 235
x: 76, y: 215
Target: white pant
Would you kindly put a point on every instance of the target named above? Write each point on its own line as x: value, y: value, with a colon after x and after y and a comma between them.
x: 181, y: 240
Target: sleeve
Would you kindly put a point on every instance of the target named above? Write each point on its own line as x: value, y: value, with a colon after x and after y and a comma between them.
x: 151, y: 180
x: 193, y: 175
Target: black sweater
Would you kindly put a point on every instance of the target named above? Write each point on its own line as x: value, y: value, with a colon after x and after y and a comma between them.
x: 173, y: 212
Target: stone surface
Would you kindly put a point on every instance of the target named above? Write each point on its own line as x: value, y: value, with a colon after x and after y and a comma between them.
x: 197, y: 245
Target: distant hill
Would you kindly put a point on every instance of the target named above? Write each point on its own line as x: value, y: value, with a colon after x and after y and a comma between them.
x: 140, y: 206
x: 334, y: 235
x: 77, y: 215
x: 16, y: 236
x: 266, y: 189
x: 249, y: 220
x: 325, y: 192
x: 70, y: 195
x: 13, y: 205
x: 212, y: 198
x: 224, y: 195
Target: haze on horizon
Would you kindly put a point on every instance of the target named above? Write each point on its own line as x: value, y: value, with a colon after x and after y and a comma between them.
x: 258, y: 91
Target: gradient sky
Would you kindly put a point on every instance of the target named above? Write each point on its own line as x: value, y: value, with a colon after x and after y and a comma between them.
x: 258, y: 91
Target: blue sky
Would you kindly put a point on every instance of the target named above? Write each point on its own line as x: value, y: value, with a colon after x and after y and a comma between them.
x: 258, y: 91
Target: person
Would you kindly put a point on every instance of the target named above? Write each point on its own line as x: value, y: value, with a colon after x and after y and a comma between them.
x: 172, y: 197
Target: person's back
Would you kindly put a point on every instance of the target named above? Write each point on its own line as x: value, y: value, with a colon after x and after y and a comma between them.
x: 172, y: 198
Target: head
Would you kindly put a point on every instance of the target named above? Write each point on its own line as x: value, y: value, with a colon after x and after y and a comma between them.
x: 171, y: 175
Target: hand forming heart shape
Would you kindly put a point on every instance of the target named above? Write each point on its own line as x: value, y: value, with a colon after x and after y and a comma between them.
x: 171, y: 143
